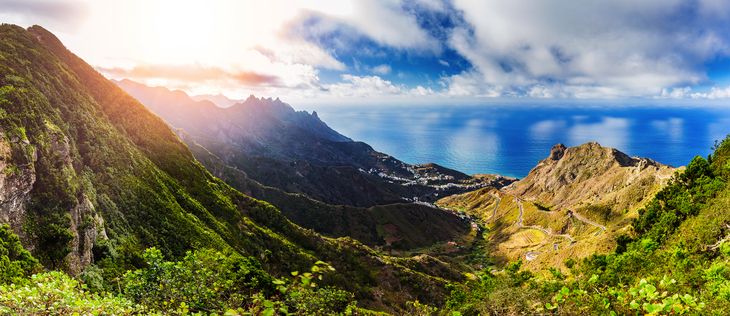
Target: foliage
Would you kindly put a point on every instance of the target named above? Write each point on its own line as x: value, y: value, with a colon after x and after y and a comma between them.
x: 683, y: 197
x: 298, y: 298
x: 16, y: 264
x: 55, y: 293
x: 640, y: 298
x: 204, y: 280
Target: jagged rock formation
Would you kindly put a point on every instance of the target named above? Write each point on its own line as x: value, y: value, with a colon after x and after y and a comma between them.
x: 292, y: 151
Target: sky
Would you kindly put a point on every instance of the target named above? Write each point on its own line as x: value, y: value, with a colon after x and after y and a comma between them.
x: 402, y: 51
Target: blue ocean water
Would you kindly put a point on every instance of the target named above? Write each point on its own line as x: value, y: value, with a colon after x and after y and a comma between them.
x: 510, y: 139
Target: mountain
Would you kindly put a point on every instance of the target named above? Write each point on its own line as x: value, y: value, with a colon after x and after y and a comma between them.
x: 590, y: 173
x: 275, y: 146
x: 219, y: 100
x: 245, y: 123
x: 409, y: 225
x: 574, y: 203
x: 90, y: 175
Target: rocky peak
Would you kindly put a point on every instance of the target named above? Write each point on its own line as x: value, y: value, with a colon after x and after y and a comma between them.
x: 576, y: 173
x: 557, y: 152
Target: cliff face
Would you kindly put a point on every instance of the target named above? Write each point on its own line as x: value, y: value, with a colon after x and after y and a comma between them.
x: 16, y: 182
x: 18, y: 158
x: 587, y: 173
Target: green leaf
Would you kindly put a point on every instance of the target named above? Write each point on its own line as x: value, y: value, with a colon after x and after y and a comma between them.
x: 634, y: 304
x: 268, y: 312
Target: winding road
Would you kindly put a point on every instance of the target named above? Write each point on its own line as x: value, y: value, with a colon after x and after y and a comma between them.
x: 495, y: 207
x: 519, y: 223
x: 532, y: 254
x: 580, y: 218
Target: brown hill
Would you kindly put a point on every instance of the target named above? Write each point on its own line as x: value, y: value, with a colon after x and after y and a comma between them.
x: 572, y: 204
x: 588, y: 174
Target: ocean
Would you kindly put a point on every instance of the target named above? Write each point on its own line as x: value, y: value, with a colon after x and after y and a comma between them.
x: 510, y: 139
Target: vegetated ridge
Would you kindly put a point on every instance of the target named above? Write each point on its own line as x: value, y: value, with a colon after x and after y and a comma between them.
x: 90, y: 178
x: 277, y: 146
x: 410, y: 225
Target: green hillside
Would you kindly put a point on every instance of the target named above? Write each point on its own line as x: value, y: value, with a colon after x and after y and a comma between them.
x: 97, y: 178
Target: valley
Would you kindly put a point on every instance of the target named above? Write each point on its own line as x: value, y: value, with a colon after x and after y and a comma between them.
x: 141, y: 194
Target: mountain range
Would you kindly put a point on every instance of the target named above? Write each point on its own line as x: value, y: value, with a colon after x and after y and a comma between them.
x: 118, y: 183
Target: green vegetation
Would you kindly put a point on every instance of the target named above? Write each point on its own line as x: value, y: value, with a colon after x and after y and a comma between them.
x: 182, y: 242
x: 16, y: 264
x: 675, y: 261
x: 112, y: 179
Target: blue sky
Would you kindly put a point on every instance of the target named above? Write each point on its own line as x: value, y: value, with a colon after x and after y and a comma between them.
x: 401, y: 50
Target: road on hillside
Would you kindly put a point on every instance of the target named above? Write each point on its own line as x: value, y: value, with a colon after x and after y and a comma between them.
x: 519, y: 223
x: 580, y: 218
x: 495, y: 207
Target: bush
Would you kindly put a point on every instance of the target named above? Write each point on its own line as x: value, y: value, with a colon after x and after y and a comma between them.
x: 205, y: 280
x: 55, y: 293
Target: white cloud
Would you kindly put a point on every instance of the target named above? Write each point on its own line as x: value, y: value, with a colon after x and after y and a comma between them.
x: 356, y: 86
x: 382, y: 21
x: 591, y: 49
x: 421, y: 91
x: 443, y: 62
x: 715, y: 93
x: 677, y: 93
x: 539, y: 91
x: 381, y: 70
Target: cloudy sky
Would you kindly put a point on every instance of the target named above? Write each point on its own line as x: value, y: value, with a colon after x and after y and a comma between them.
x: 401, y: 50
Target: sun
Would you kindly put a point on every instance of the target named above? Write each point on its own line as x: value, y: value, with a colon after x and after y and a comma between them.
x: 184, y: 28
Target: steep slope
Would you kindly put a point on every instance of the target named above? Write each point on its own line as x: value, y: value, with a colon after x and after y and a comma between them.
x: 574, y: 203
x: 590, y: 173
x: 410, y: 225
x: 336, y: 185
x: 90, y: 174
x: 275, y: 146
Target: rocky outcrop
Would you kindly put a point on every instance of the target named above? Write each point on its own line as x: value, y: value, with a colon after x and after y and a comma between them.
x: 17, y: 179
x: 87, y: 226
x: 569, y: 176
x: 16, y: 182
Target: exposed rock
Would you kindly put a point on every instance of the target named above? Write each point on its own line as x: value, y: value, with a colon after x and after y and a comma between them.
x: 61, y: 147
x: 16, y: 182
x: 576, y: 174
x: 557, y: 152
x: 17, y: 177
x: 86, y: 227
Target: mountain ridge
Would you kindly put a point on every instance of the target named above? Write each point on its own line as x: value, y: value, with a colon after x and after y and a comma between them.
x: 97, y: 153
x: 588, y: 193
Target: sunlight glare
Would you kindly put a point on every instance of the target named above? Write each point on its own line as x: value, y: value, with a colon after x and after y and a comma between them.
x: 185, y: 28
